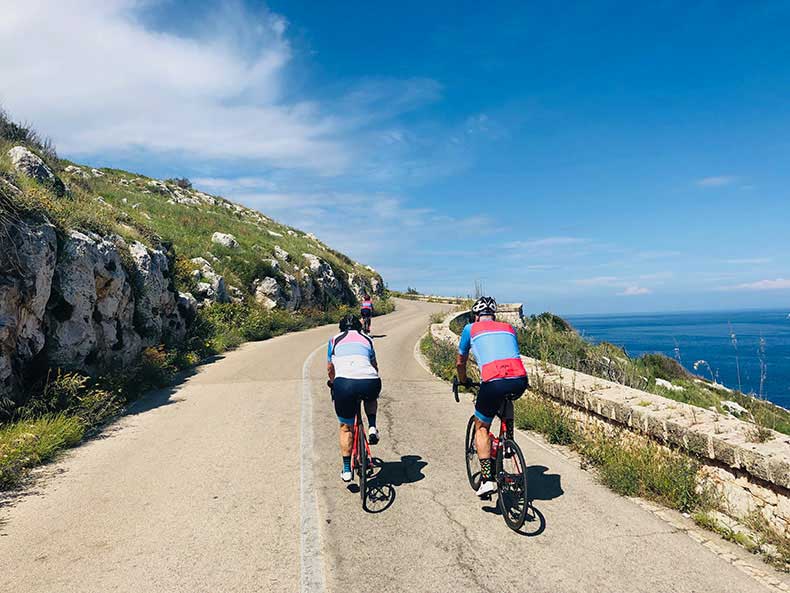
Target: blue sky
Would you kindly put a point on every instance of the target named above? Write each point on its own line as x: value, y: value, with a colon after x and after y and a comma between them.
x: 580, y: 157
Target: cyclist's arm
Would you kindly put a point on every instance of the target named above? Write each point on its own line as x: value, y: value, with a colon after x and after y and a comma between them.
x: 464, y: 345
x: 330, y: 367
x: 460, y: 367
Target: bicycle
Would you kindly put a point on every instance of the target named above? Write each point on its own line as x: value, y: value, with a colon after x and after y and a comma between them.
x: 510, y: 467
x: 360, y: 455
x: 366, y: 323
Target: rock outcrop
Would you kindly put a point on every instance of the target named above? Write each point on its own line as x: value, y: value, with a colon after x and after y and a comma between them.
x: 268, y: 293
x: 31, y: 165
x: 28, y: 253
x: 211, y: 287
x: 76, y: 305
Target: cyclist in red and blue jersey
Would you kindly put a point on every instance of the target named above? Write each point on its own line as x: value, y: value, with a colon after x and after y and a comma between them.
x: 367, y: 310
x: 502, y: 375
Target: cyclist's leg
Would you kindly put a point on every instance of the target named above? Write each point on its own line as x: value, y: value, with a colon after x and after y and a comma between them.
x: 345, y: 407
x: 489, y: 400
x: 372, y: 390
x: 515, y: 389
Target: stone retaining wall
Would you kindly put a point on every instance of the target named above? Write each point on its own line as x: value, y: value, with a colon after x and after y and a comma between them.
x: 751, y: 476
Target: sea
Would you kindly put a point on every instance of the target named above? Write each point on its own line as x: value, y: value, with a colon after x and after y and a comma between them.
x: 746, y: 350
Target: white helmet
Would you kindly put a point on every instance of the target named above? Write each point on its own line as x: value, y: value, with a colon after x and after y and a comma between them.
x: 484, y: 306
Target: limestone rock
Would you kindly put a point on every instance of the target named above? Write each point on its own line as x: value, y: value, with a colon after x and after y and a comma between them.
x: 27, y: 265
x: 268, y: 293
x: 30, y: 164
x: 225, y: 239
x: 281, y: 253
x: 211, y: 286
x: 91, y: 312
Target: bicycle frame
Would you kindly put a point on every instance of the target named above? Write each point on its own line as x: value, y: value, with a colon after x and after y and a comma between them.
x: 355, y: 447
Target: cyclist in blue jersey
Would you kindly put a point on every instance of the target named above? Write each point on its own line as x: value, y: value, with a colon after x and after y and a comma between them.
x: 353, y: 376
x: 503, y: 377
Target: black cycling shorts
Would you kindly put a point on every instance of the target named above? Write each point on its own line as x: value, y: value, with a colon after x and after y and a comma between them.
x: 367, y: 312
x: 346, y: 393
x: 492, y: 395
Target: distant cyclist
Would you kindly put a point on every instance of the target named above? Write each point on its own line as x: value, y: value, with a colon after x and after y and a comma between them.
x: 367, y: 311
x: 502, y: 374
x: 353, y: 376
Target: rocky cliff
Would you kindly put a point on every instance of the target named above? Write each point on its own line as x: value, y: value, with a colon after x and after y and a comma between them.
x: 96, y: 265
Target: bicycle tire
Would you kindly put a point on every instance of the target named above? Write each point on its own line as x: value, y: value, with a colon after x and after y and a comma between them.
x: 473, y: 470
x: 512, y: 499
x: 363, y: 464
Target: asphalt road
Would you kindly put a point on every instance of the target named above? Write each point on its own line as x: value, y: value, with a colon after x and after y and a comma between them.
x: 215, y: 486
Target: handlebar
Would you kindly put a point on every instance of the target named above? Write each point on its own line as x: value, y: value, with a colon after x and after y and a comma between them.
x: 456, y: 385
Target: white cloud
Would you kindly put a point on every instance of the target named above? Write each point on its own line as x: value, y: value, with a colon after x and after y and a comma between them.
x: 777, y: 284
x: 100, y: 81
x: 716, y: 181
x: 634, y: 290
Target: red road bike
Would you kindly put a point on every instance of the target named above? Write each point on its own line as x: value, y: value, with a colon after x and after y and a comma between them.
x: 510, y: 468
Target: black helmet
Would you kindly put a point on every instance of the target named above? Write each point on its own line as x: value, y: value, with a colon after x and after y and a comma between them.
x: 484, y: 306
x: 350, y: 322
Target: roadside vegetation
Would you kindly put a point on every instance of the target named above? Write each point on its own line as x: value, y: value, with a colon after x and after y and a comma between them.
x: 61, y: 406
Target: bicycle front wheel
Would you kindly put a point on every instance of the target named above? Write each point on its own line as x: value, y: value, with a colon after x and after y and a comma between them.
x: 363, y: 464
x: 473, y: 470
x: 511, y: 475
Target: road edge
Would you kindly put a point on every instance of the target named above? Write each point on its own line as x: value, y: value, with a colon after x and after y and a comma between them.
x: 311, y: 561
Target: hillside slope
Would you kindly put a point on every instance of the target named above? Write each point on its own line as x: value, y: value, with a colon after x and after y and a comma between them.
x: 97, y: 265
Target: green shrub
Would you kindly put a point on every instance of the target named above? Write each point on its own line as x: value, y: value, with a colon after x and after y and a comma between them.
x: 663, y: 367
x: 534, y: 412
x: 638, y: 467
x: 27, y: 443
x: 156, y: 368
x: 441, y: 357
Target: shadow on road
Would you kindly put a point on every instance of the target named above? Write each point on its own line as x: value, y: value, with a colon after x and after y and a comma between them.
x: 386, y: 476
x: 541, y: 486
x: 374, y: 336
x: 164, y: 397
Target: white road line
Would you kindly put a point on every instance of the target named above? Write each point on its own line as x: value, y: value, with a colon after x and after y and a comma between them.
x: 312, y: 564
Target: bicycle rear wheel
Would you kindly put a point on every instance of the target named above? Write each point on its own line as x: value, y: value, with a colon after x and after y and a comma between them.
x: 511, y: 477
x: 362, y: 452
x: 473, y: 470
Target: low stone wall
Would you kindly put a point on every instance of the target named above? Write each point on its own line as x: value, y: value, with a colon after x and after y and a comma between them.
x: 751, y: 476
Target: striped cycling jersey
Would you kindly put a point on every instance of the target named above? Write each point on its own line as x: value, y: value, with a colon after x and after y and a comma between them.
x: 367, y: 304
x: 353, y: 356
x: 495, y: 348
